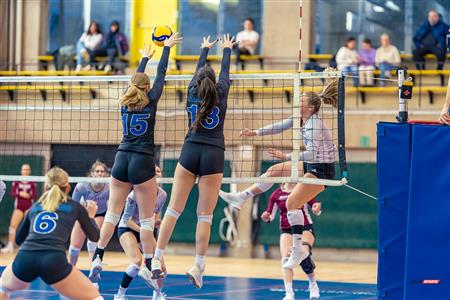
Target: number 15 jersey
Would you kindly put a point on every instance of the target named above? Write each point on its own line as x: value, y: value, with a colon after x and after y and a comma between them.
x: 210, y: 129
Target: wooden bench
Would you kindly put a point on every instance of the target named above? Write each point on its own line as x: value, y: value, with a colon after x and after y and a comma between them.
x: 215, y: 58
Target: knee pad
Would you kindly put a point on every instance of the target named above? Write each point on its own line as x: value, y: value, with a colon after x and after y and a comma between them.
x: 148, y: 224
x: 205, y: 218
x: 112, y: 218
x: 132, y: 270
x: 284, y: 260
x: 308, y: 265
x: 295, y: 217
x: 91, y: 246
x: 74, y: 251
x: 12, y: 230
x: 5, y: 290
x: 99, y: 298
x: 172, y: 213
x: 308, y: 246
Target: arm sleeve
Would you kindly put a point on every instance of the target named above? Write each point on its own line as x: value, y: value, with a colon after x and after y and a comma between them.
x: 2, y: 190
x: 161, y: 199
x: 272, y: 200
x: 33, y: 191
x: 77, y: 193
x: 142, y: 65
x: 201, y: 62
x: 274, y: 212
x: 23, y: 230
x: 276, y: 127
x: 88, y: 225
x: 128, y: 212
x: 224, y: 77
x: 158, y: 85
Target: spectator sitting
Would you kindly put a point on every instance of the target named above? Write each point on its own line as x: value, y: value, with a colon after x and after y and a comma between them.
x: 387, y: 57
x: 248, y: 41
x: 114, y: 44
x: 431, y: 38
x: 347, y: 59
x: 366, y: 60
x: 88, y: 42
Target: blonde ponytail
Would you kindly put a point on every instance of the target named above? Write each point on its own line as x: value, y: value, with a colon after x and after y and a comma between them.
x: 56, y: 181
x: 329, y: 94
x: 135, y: 97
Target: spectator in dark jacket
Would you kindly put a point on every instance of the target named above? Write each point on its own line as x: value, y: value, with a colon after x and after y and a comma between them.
x: 114, y: 44
x: 430, y: 39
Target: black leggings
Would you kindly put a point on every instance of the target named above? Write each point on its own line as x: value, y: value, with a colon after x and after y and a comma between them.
x: 419, y: 56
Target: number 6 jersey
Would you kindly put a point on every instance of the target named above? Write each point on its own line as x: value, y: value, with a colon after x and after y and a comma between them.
x: 210, y: 130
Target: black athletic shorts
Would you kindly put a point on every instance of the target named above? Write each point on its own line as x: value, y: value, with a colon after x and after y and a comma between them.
x: 122, y: 230
x: 133, y: 167
x: 51, y: 266
x: 320, y: 170
x: 101, y: 214
x: 308, y: 227
x: 202, y: 159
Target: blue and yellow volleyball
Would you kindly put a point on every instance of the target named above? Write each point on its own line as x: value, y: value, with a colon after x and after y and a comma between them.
x: 160, y: 34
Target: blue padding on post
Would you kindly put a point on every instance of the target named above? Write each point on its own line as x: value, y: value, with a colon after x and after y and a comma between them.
x: 427, y: 272
x: 393, y: 163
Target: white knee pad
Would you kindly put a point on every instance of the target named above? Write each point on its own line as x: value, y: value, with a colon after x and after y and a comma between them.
x: 132, y: 270
x: 112, y: 218
x: 295, y: 217
x: 11, y: 230
x: 91, y: 246
x: 74, y: 251
x: 5, y: 290
x: 172, y: 213
x: 148, y: 224
x: 205, y: 218
x: 284, y: 260
x: 99, y: 298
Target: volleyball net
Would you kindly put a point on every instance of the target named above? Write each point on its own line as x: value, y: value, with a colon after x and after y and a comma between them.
x: 73, y: 121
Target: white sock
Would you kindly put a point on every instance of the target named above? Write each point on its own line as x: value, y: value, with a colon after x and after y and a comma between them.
x: 311, y: 278
x: 122, y: 291
x: 297, y: 242
x: 148, y: 255
x: 159, y: 253
x: 245, y: 194
x: 201, y: 261
x: 288, y: 287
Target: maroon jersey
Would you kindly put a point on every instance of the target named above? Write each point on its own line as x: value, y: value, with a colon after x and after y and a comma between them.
x: 21, y: 203
x: 278, y: 201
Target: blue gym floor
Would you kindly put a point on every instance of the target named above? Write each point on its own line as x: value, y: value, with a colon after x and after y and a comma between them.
x: 178, y: 287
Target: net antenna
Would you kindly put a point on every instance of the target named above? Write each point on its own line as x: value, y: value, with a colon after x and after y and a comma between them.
x: 300, y: 67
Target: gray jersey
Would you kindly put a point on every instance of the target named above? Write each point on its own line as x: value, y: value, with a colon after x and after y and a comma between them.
x: 83, y: 192
x: 131, y: 211
x: 2, y: 190
x: 319, y: 147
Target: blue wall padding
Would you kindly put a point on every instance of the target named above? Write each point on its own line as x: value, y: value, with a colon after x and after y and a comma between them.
x: 393, y: 159
x: 428, y: 234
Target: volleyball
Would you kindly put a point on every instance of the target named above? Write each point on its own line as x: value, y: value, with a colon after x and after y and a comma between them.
x: 160, y: 34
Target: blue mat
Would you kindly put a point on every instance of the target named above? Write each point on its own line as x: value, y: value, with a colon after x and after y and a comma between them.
x: 215, y: 287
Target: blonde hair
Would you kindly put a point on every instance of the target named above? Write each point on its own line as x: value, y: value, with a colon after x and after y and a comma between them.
x: 135, y: 98
x: 56, y: 180
x: 329, y: 94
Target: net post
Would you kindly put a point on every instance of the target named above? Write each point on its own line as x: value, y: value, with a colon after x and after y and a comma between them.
x: 402, y: 102
x: 295, y: 129
x: 341, y: 127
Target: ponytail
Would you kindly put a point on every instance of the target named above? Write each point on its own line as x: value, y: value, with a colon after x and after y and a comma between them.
x: 329, y: 94
x: 56, y: 181
x: 207, y: 92
x: 135, y: 97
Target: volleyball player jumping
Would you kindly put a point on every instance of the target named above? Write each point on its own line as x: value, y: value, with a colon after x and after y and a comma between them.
x: 43, y: 235
x: 134, y: 165
x: 202, y: 156
x: 97, y: 192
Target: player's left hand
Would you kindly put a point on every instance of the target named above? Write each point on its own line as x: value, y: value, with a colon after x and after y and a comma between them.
x: 277, y: 154
x: 146, y: 51
x: 317, y: 208
x: 228, y: 42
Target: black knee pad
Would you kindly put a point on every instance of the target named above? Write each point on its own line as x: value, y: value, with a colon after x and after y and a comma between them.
x: 308, y: 265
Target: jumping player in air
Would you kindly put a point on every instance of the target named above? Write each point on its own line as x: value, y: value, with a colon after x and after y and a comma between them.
x: 128, y: 233
x: 97, y: 192
x: 44, y: 234
x: 24, y: 193
x: 277, y: 201
x: 202, y: 156
x: 134, y: 165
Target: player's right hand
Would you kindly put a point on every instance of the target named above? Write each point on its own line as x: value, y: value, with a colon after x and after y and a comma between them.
x: 247, y: 132
x: 91, y: 208
x: 265, y: 217
x: 173, y: 40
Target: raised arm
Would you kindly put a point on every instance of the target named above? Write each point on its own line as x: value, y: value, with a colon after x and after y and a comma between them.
x: 23, y: 230
x: 158, y: 84
x: 224, y: 77
x: 205, y: 46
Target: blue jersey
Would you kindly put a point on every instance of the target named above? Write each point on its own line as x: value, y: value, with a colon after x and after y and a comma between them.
x: 83, y: 192
x: 139, y: 126
x: 210, y: 130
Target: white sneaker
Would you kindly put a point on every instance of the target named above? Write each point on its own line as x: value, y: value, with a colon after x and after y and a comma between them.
x: 119, y: 297
x: 289, y: 296
x: 195, y: 275
x: 96, y: 269
x: 78, y: 68
x: 8, y: 249
x: 96, y: 285
x: 108, y: 69
x: 232, y: 199
x: 158, y: 295
x: 157, y: 272
x: 314, y: 292
x: 296, y: 257
x: 146, y: 274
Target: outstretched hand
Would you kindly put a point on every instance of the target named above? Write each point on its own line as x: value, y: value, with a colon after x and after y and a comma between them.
x: 277, y: 154
x: 228, y: 42
x: 247, y: 132
x: 173, y: 40
x: 207, y: 44
x: 146, y: 51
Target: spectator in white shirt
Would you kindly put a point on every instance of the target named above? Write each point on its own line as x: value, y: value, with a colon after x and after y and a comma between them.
x: 88, y: 42
x: 347, y: 59
x: 387, y: 57
x: 248, y: 41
